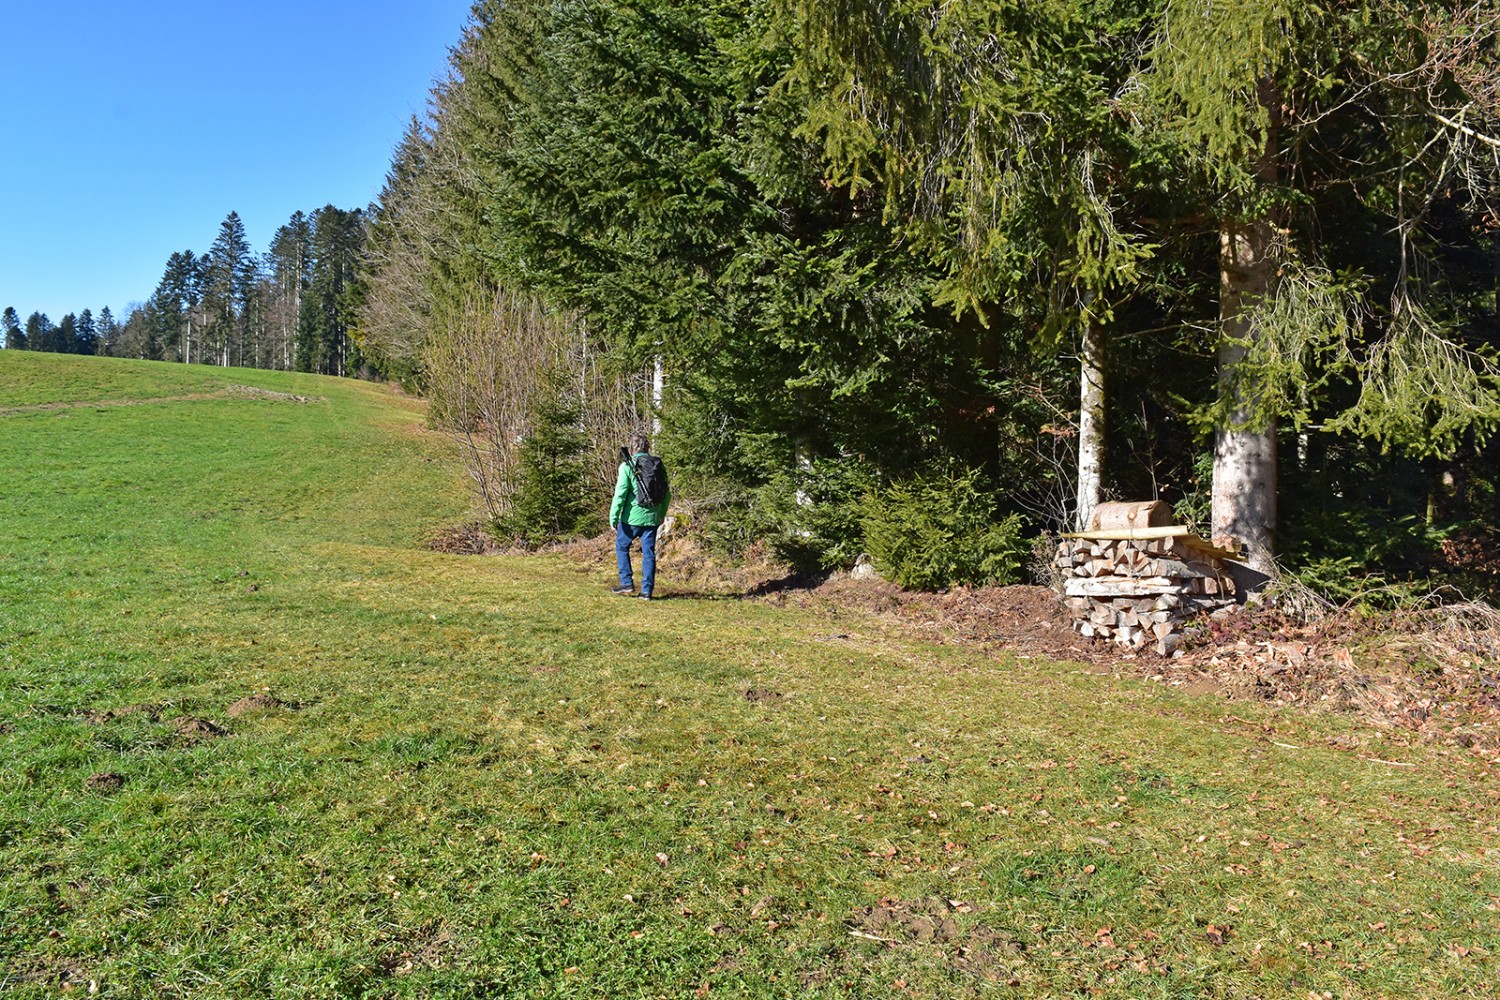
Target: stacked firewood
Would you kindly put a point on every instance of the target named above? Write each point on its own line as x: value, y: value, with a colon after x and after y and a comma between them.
x: 1139, y: 584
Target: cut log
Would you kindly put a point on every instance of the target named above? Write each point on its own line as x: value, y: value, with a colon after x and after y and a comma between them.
x: 1135, y: 534
x: 1170, y: 567
x: 1136, y: 514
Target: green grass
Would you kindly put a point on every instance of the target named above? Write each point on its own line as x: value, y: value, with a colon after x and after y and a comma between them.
x: 498, y: 780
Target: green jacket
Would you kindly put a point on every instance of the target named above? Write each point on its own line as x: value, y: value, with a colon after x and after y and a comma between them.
x: 625, y: 507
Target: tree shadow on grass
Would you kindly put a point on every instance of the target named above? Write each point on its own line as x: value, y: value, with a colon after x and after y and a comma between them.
x: 790, y: 583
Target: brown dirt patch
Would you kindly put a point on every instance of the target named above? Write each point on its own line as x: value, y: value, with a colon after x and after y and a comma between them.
x: 762, y: 695
x: 684, y: 568
x: 109, y: 715
x: 256, y: 703
x: 194, y: 728
x: 980, y: 950
x: 429, y: 950
x: 105, y: 781
x: 463, y: 540
x: 57, y: 971
x: 255, y: 392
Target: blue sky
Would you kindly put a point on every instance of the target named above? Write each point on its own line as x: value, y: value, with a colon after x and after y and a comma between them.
x: 130, y: 130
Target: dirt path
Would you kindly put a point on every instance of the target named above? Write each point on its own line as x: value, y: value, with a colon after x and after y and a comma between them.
x: 228, y: 392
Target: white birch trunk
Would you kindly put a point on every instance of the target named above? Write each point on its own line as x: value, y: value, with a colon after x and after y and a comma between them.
x: 1091, y: 425
x: 658, y: 386
x: 1244, y: 488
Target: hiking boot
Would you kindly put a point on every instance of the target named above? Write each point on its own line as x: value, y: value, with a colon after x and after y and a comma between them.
x: 623, y: 591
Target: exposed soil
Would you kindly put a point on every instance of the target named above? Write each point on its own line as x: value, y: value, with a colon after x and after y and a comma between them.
x: 980, y: 950
x: 255, y: 392
x: 105, y: 781
x: 430, y: 950
x: 256, y: 703
x: 58, y: 971
x: 111, y: 714
x: 463, y: 540
x: 187, y: 725
x: 228, y: 392
x: 761, y: 695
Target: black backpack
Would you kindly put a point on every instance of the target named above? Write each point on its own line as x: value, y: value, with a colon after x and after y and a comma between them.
x: 650, y: 478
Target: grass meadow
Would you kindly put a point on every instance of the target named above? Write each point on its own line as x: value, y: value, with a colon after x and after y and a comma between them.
x: 487, y: 777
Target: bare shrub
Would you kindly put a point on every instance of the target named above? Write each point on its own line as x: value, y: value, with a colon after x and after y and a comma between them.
x: 488, y: 370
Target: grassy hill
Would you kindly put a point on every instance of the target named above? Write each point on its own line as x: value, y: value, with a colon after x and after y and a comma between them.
x: 256, y: 740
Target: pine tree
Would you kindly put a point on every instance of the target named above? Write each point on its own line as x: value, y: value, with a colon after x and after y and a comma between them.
x: 228, y: 274
x: 1266, y: 100
x: 15, y: 337
x: 85, y: 334
x: 551, y: 498
x: 65, y: 338
x: 287, y: 266
x: 39, y: 333
x: 323, y: 332
x: 109, y: 332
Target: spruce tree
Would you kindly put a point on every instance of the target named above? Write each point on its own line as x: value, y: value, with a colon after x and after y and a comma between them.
x: 39, y: 333
x: 288, y: 264
x: 15, y: 337
x: 550, y: 498
x: 323, y: 331
x: 85, y: 334
x: 228, y: 274
x: 109, y: 332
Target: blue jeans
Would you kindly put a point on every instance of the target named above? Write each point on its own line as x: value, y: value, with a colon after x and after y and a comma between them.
x: 624, y: 535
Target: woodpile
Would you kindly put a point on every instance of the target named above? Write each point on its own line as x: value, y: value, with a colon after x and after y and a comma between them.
x: 1140, y: 584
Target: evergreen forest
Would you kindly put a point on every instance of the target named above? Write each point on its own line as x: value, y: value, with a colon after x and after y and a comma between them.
x: 926, y: 281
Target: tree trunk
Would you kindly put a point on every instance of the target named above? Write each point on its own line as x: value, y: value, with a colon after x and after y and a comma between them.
x: 658, y: 388
x: 1244, y: 489
x: 1090, y: 423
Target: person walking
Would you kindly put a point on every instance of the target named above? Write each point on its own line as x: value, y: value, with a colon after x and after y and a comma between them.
x: 639, y: 507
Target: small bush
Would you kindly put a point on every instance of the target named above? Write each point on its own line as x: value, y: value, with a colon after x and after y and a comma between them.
x: 815, y: 515
x: 934, y: 532
x: 551, y: 497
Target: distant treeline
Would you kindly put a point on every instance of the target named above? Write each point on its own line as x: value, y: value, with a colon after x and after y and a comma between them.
x: 288, y: 309
x: 75, y: 334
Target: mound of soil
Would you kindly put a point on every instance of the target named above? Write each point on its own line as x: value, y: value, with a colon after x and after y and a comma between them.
x: 105, y: 781
x: 187, y: 725
x: 255, y: 703
x: 255, y: 392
